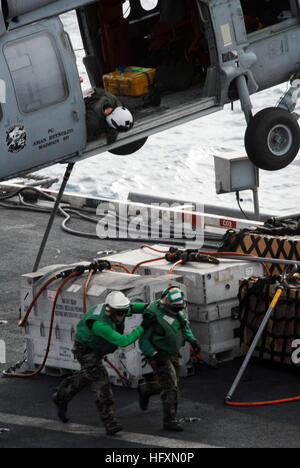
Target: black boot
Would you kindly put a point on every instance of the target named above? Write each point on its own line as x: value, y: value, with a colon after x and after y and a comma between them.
x: 173, y: 426
x: 62, y: 408
x: 113, y: 428
x: 143, y: 400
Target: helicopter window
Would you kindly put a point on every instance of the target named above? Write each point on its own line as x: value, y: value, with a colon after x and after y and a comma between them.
x: 126, y: 9
x: 37, y: 72
x: 260, y: 14
x: 149, y: 4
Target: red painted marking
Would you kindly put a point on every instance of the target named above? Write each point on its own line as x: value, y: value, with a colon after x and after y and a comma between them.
x: 193, y: 219
x: 227, y: 223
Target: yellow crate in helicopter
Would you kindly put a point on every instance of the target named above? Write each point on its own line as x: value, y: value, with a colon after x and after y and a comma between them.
x: 129, y: 81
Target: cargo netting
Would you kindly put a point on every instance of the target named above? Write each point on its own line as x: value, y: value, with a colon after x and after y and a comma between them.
x: 276, y: 239
x: 255, y: 295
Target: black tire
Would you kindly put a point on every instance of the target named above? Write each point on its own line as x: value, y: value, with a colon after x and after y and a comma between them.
x: 130, y: 148
x: 272, y: 139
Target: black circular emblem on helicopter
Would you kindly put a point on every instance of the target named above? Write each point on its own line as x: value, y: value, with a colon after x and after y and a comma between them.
x: 16, y: 138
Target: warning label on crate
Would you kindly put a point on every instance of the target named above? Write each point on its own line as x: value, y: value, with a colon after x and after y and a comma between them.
x: 51, y: 295
x: 96, y: 290
x: 74, y: 288
x: 69, y: 308
x: 65, y: 354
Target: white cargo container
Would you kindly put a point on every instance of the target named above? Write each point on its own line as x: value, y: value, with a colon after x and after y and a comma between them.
x: 207, y: 313
x: 69, y: 309
x: 206, y: 283
x: 217, y: 328
x: 220, y: 340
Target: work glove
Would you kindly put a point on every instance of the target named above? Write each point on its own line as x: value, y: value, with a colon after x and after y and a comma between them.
x: 196, y: 347
x: 161, y: 357
x: 147, y: 322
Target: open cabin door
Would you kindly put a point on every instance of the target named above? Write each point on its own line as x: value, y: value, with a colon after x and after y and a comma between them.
x: 178, y: 43
x: 43, y: 116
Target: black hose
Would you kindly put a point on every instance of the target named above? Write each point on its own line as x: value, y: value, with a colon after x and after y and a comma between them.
x: 239, y: 205
x: 64, y: 212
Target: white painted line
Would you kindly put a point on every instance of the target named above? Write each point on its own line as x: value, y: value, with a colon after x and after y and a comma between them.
x: 93, y: 431
x: 156, y: 441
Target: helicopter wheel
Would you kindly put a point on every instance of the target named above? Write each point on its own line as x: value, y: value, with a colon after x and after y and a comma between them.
x: 130, y: 148
x: 272, y: 139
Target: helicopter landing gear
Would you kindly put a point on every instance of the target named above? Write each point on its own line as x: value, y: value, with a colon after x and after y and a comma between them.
x: 272, y: 139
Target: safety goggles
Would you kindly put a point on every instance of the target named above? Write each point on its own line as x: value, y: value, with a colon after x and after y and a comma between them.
x: 176, y: 308
x: 120, y: 312
x: 176, y: 296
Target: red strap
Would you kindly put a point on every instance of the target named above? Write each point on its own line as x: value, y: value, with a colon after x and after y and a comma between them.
x: 113, y: 34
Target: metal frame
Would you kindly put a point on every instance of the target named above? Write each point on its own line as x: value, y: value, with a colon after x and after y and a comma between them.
x: 53, y: 214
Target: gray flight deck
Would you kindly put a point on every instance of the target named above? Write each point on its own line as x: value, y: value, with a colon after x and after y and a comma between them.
x: 28, y: 416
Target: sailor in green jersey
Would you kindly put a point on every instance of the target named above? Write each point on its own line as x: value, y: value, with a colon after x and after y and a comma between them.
x: 100, y: 332
x: 161, y: 344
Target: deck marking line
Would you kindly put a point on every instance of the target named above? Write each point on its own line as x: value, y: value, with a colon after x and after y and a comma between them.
x: 93, y: 431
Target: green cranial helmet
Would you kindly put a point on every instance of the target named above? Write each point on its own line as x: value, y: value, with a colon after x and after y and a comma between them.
x: 174, y: 298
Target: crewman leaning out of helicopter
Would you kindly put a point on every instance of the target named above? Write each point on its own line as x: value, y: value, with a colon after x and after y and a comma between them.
x: 161, y: 344
x: 106, y: 116
x: 100, y: 332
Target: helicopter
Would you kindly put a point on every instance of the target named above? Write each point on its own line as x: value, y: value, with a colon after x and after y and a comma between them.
x: 206, y: 54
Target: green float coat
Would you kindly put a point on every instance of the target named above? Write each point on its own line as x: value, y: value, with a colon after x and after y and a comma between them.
x: 99, y: 332
x: 169, y: 334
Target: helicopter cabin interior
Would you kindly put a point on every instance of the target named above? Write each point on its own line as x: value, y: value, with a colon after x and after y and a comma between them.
x: 171, y: 37
x: 168, y: 44
x: 261, y: 14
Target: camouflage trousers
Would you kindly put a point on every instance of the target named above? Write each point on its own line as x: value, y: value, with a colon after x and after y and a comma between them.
x: 165, y: 384
x: 92, y: 373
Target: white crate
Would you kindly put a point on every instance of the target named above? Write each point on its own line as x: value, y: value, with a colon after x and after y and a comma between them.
x: 32, y: 282
x: 69, y: 306
x: 219, y: 340
x: 212, y: 312
x: 206, y: 283
x: 60, y: 358
x: 39, y: 330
